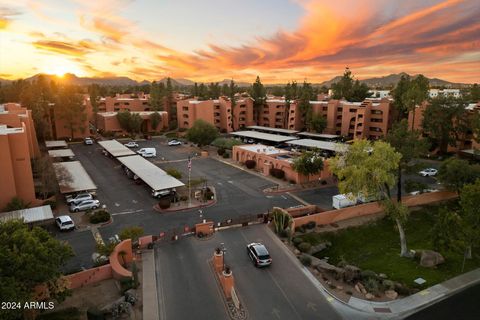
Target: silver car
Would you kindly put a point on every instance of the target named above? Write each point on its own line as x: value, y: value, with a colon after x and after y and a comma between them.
x: 85, y: 205
x: 79, y: 197
x: 259, y: 254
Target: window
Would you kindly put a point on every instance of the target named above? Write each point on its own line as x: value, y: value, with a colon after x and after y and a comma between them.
x: 242, y: 106
x: 185, y: 123
x: 360, y: 116
x: 325, y: 108
x: 116, y: 104
x: 126, y: 103
x: 339, y: 109
x: 185, y: 116
x: 185, y: 108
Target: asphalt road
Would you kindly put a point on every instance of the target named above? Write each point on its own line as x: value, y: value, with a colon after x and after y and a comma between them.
x: 186, y: 285
x: 462, y: 306
x: 238, y: 193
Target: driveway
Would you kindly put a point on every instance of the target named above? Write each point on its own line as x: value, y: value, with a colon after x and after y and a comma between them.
x: 281, y: 291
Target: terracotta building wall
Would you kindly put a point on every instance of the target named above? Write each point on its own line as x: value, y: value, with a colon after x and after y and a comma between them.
x: 242, y: 114
x: 14, y: 117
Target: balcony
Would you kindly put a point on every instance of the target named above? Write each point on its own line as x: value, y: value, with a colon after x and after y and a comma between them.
x: 217, y: 114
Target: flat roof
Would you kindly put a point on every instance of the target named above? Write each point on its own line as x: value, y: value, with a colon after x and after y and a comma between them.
x: 72, y: 177
x: 263, y: 136
x: 152, y: 175
x: 30, y: 215
x: 60, y: 153
x: 260, y: 148
x: 323, y: 145
x: 115, y: 148
x: 272, y: 129
x: 56, y: 144
x: 319, y: 135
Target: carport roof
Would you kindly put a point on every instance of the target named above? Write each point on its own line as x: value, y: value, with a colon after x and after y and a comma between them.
x: 60, y: 153
x: 269, y: 129
x: 72, y: 177
x: 56, y: 144
x: 30, y: 215
x: 152, y: 175
x: 115, y: 148
x: 319, y: 135
x: 323, y: 145
x: 263, y: 136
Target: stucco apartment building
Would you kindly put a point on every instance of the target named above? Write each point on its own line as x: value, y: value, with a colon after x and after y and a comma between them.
x: 108, y: 121
x: 217, y: 112
x: 18, y: 145
x: 60, y: 127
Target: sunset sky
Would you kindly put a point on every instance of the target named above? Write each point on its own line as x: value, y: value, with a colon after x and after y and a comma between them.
x: 212, y: 40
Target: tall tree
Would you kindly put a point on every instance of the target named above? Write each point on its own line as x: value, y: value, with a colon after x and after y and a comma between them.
x: 470, y: 212
x: 71, y: 110
x: 213, y: 90
x: 170, y: 108
x: 409, y: 144
x: 202, y: 133
x: 310, y: 162
x: 306, y: 94
x: 343, y: 88
x: 318, y: 123
x: 232, y: 89
x: 455, y: 173
x: 416, y: 93
x: 29, y: 257
x: 368, y: 168
x: 258, y: 94
x: 398, y: 93
x: 94, y: 92
x: 155, y: 119
x: 474, y: 94
x: 157, y: 96
x: 202, y: 92
x: 445, y: 121
x: 359, y: 91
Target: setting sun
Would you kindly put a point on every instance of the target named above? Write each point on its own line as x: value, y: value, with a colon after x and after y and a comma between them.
x: 61, y: 67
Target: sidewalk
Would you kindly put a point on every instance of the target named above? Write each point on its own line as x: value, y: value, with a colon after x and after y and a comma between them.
x: 149, y: 286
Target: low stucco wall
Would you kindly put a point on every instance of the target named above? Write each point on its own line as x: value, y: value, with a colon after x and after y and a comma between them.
x: 90, y: 276
x: 301, y: 211
x: 117, y: 259
x: 333, y: 216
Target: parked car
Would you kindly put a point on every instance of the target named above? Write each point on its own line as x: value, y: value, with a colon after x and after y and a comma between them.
x: 414, y: 193
x: 163, y: 193
x: 429, y: 172
x: 79, y: 197
x: 88, y: 141
x: 131, y: 144
x: 85, y: 205
x: 259, y: 254
x: 64, y: 223
x: 174, y: 143
x: 147, y: 152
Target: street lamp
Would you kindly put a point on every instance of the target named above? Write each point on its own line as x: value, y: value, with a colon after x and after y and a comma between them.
x: 224, y: 250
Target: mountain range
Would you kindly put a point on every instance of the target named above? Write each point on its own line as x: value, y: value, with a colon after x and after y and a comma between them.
x: 376, y: 82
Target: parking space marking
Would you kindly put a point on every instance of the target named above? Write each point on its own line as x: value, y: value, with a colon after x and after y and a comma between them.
x: 219, y: 183
x: 127, y: 212
x: 284, y: 197
x: 117, y: 204
x: 230, y: 181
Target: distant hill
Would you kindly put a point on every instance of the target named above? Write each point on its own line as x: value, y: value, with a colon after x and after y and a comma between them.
x: 392, y: 79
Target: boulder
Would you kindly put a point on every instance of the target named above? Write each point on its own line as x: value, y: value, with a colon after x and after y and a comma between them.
x: 360, y: 288
x: 351, y: 274
x: 430, y: 259
x: 297, y: 252
x: 324, y: 266
x: 339, y: 287
x: 369, y: 296
x: 391, y: 294
x: 320, y: 247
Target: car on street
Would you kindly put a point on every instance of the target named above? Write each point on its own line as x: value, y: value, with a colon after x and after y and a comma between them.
x: 174, y: 143
x: 64, y: 223
x: 259, y: 254
x: 79, y: 197
x: 85, y: 205
x: 88, y: 141
x: 428, y: 172
x: 131, y: 144
x: 147, y: 152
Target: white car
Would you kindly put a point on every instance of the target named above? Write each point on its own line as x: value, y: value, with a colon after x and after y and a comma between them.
x: 414, y: 193
x: 88, y: 141
x: 85, y: 205
x: 131, y: 144
x: 65, y: 223
x: 429, y: 172
x: 79, y: 197
x: 259, y: 254
x: 174, y: 143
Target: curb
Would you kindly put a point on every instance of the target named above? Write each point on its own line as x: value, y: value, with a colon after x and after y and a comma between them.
x: 185, y: 209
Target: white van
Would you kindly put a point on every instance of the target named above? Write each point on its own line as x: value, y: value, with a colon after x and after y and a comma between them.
x: 340, y: 201
x: 147, y: 152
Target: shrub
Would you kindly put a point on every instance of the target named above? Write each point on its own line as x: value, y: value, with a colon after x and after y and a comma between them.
x: 208, y: 194
x: 68, y: 313
x: 367, y: 274
x: 311, y: 225
x: 306, y: 260
x: 100, y: 216
x: 174, y: 173
x: 373, y: 285
x: 296, y: 241
x: 388, y: 284
x: 133, y: 232
x: 284, y: 233
x: 300, y: 229
x: 164, y: 203
x: 221, y: 151
x: 183, y: 198
x: 304, y: 246
x: 277, y: 173
x: 226, y: 143
x: 226, y: 155
x: 250, y: 164
x: 126, y: 284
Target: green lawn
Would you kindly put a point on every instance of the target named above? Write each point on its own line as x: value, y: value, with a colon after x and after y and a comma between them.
x: 376, y: 247
x: 66, y: 314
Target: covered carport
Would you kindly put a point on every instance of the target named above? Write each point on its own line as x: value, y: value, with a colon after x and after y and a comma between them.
x: 153, y: 176
x: 267, y: 138
x: 33, y: 216
x: 332, y: 147
x: 72, y: 177
x: 61, y: 154
x: 56, y: 144
x: 280, y: 131
x: 115, y: 148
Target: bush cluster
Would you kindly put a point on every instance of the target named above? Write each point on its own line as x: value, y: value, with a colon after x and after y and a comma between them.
x: 306, y: 260
x: 277, y: 173
x: 164, y: 203
x: 310, y: 225
x: 304, y: 247
x: 100, y: 216
x: 221, y: 151
x: 226, y: 155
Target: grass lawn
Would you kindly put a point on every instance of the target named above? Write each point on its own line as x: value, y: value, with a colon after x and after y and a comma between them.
x: 66, y: 314
x: 376, y: 247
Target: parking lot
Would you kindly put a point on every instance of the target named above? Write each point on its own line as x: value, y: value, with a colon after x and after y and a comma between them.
x: 238, y: 193
x: 187, y: 288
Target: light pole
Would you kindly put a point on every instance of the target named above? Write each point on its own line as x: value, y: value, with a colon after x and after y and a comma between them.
x: 224, y: 250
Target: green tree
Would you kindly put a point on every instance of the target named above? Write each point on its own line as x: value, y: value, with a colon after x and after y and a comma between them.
x: 445, y: 121
x: 124, y: 120
x: 398, y: 93
x: 232, y: 89
x: 308, y: 163
x: 368, y: 168
x: 455, y: 173
x: 136, y: 123
x: 94, y: 92
x: 16, y: 204
x: 474, y: 94
x: 202, y: 133
x: 343, y: 88
x: 409, y: 144
x: 29, y: 257
x: 202, y: 92
x: 155, y: 119
x: 133, y: 233
x: 157, y: 96
x: 71, y: 109
x: 359, y: 91
x: 306, y: 94
x: 213, y: 90
x: 318, y: 123
x: 43, y: 167
x: 446, y: 232
x: 174, y: 173
x: 170, y: 108
x: 258, y: 94
x: 416, y: 93
x: 470, y: 212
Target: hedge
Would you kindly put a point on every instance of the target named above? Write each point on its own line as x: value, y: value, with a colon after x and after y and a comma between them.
x: 99, y: 217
